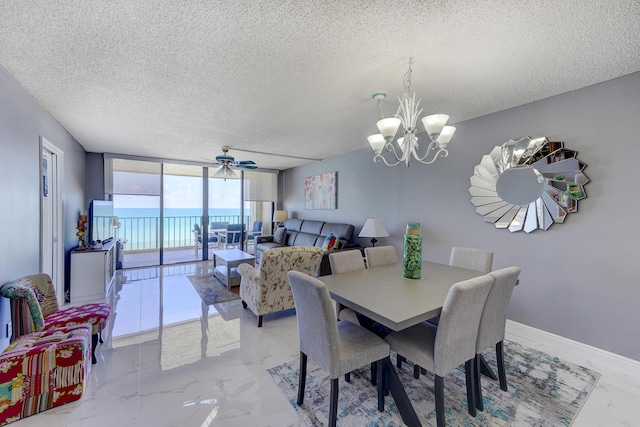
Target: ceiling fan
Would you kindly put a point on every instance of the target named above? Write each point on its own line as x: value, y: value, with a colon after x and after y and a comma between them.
x: 226, y: 162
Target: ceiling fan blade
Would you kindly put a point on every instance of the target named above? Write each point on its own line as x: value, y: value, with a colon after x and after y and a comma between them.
x: 250, y: 167
x: 274, y: 154
x: 245, y: 162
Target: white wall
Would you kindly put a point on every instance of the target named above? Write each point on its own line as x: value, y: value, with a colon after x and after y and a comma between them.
x: 580, y: 279
x: 22, y: 122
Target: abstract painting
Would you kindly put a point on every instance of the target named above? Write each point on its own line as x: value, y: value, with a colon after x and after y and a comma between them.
x: 321, y: 191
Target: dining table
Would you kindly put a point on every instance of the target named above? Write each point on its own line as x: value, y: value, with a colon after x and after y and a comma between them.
x: 385, y: 296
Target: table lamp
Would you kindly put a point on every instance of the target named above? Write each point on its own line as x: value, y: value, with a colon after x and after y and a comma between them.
x: 373, y: 228
x: 279, y: 217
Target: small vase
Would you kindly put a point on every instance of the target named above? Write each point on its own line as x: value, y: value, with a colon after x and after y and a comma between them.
x: 412, y: 259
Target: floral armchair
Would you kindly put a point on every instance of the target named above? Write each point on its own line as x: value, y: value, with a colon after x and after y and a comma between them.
x: 266, y: 289
x: 42, y: 370
x: 34, y: 308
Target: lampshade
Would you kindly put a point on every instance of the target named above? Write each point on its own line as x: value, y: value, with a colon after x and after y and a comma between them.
x: 445, y: 136
x: 434, y: 124
x: 280, y: 216
x: 377, y: 142
x: 388, y: 127
x: 373, y: 228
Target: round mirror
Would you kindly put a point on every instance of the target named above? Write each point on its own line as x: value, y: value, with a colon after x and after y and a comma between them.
x: 520, y: 185
x: 528, y: 184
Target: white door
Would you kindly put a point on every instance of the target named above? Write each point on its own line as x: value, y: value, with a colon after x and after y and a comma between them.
x: 52, y: 244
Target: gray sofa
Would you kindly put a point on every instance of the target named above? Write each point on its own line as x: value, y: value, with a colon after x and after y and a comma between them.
x: 310, y: 233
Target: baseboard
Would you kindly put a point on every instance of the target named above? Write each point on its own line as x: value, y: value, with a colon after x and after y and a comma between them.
x: 605, y: 358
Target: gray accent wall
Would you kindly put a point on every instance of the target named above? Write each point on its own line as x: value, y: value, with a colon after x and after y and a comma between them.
x: 22, y: 122
x: 580, y: 279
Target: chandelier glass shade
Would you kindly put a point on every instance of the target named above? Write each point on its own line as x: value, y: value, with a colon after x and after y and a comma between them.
x: 406, y: 116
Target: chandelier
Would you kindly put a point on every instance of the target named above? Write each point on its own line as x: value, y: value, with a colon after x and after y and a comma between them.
x: 407, y: 116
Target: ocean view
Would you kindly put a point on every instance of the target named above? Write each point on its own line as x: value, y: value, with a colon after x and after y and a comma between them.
x: 141, y: 226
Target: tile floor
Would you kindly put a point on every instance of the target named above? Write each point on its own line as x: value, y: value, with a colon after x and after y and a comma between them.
x: 170, y: 362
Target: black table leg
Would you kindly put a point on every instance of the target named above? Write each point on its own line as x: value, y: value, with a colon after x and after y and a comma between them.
x: 399, y: 395
x: 486, y: 370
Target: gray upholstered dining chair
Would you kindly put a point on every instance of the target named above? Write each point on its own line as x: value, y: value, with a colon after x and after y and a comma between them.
x: 492, y: 324
x: 344, y: 262
x: 442, y: 348
x: 336, y: 347
x: 379, y: 256
x: 471, y: 259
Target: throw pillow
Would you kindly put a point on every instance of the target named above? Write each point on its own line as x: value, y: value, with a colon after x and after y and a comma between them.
x: 280, y: 236
x: 330, y: 242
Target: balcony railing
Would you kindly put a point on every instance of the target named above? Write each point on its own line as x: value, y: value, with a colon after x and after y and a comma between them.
x: 143, y: 233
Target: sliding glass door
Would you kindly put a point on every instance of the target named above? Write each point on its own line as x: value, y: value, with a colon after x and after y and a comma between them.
x: 169, y: 212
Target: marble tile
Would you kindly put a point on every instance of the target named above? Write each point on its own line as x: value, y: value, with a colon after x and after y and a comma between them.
x: 169, y: 361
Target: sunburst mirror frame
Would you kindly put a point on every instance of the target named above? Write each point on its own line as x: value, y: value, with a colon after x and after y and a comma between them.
x: 528, y: 184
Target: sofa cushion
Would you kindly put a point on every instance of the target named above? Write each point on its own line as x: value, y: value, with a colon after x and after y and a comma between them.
x: 306, y: 239
x: 293, y: 224
x: 265, y: 246
x: 280, y: 236
x: 312, y: 227
x: 341, y: 231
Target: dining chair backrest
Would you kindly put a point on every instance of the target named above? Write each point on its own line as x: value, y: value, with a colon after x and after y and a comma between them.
x: 196, y: 229
x: 346, y: 261
x: 317, y: 328
x: 382, y: 255
x: 457, y: 331
x: 471, y: 259
x: 494, y: 314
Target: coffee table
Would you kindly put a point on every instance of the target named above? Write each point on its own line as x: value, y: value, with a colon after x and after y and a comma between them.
x: 225, y: 263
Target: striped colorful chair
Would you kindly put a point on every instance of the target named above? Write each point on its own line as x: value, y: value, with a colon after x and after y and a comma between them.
x: 34, y: 308
x: 42, y: 370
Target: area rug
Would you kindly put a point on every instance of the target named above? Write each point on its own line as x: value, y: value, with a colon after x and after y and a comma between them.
x: 543, y: 391
x: 211, y: 290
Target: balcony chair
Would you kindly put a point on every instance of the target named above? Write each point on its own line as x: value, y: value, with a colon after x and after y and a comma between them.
x: 42, y: 370
x: 266, y: 289
x: 34, y: 308
x: 233, y: 235
x: 336, y: 347
x: 255, y: 232
x: 197, y: 236
x: 441, y: 349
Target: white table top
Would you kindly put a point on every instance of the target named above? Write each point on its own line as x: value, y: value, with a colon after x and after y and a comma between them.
x: 383, y: 295
x: 231, y: 255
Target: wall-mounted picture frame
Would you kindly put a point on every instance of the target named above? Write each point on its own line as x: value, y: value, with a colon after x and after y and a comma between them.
x: 321, y: 191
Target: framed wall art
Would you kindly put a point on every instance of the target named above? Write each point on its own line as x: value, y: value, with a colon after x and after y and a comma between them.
x: 321, y: 191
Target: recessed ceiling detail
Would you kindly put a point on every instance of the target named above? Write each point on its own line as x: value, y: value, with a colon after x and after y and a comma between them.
x: 528, y: 184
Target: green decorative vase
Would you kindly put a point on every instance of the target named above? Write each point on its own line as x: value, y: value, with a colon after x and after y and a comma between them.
x: 412, y: 259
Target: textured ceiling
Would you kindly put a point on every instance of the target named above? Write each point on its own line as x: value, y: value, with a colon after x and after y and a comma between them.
x: 180, y: 79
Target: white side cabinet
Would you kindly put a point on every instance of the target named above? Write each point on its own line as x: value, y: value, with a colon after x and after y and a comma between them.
x: 92, y: 273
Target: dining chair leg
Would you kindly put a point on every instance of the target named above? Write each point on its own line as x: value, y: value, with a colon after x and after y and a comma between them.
x: 439, y: 392
x: 302, y: 377
x: 333, y: 405
x: 469, y: 370
x: 380, y: 382
x: 478, y: 384
x: 502, y: 374
x: 374, y: 370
